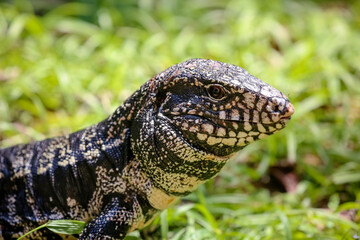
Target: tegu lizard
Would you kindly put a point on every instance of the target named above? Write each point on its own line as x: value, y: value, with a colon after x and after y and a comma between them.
x: 174, y: 133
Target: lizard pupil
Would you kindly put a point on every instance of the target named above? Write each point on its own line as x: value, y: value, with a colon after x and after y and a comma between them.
x: 216, y: 92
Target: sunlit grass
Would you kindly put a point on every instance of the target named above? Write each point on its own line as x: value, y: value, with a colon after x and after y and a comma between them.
x: 72, y: 65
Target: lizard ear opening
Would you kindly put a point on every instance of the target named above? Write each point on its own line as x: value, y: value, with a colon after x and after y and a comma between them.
x: 160, y: 98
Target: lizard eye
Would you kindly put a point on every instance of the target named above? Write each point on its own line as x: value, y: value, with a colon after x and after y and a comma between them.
x: 216, y: 92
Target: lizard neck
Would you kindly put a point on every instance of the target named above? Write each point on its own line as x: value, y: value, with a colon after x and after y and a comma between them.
x: 114, y: 132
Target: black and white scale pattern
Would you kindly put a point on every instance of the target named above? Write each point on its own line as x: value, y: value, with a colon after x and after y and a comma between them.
x: 173, y: 134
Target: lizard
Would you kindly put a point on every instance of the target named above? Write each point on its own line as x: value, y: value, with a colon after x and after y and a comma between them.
x: 174, y: 133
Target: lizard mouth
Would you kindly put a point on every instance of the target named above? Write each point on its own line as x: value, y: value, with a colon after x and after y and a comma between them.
x: 214, y: 136
x: 223, y: 136
x: 230, y: 117
x: 223, y: 128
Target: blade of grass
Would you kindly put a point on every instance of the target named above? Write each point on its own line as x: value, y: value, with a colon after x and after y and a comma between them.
x: 164, y: 225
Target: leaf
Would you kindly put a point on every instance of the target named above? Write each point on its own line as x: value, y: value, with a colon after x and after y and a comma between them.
x: 66, y: 226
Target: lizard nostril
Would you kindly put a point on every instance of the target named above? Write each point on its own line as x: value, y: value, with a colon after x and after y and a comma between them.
x: 276, y: 105
x: 279, y: 109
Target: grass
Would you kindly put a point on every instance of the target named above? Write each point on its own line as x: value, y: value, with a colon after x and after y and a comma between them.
x: 68, y: 66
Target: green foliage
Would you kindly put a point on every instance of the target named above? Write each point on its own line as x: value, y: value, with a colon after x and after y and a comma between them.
x: 68, y: 66
x: 61, y: 227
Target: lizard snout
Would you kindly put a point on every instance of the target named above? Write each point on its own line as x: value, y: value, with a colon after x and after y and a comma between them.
x: 289, y: 111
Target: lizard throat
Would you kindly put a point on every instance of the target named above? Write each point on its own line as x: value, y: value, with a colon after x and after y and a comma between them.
x: 173, y: 163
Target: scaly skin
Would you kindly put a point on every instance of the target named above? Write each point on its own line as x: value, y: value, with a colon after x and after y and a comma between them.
x: 173, y: 134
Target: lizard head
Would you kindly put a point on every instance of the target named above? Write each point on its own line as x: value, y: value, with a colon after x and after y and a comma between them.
x: 201, y: 112
x: 221, y: 108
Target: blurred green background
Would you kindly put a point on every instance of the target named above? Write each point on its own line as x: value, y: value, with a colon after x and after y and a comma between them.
x: 65, y: 65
